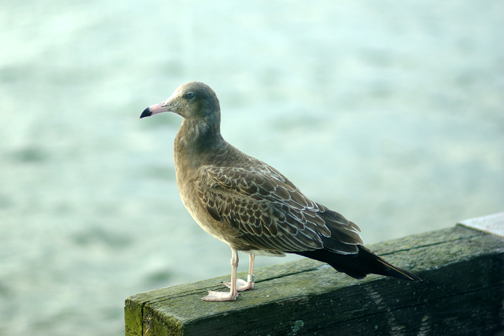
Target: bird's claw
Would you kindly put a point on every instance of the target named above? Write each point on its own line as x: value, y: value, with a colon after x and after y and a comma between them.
x: 220, y: 296
x: 241, y: 285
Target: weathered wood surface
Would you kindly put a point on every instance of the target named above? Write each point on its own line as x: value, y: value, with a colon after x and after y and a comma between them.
x: 462, y: 294
x: 493, y: 224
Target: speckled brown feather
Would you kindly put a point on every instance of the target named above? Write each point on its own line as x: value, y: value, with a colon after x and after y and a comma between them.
x: 271, y: 213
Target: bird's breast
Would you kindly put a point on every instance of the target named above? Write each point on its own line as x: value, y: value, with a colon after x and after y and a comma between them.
x: 186, y: 170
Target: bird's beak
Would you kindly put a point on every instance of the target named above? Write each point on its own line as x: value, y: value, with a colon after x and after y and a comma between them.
x: 165, y: 106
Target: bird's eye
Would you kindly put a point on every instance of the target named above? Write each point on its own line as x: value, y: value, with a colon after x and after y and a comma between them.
x: 189, y: 96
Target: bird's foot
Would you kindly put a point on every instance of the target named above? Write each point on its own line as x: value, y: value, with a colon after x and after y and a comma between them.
x: 220, y: 296
x: 241, y: 285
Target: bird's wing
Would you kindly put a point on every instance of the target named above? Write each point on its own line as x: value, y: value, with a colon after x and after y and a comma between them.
x: 271, y: 213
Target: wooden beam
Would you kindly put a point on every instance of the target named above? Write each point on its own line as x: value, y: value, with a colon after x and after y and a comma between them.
x: 462, y: 294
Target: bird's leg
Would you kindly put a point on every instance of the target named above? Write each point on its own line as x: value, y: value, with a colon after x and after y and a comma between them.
x: 242, y: 285
x: 233, y: 293
x: 250, y: 277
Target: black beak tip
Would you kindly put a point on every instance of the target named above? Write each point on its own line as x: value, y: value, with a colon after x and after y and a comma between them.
x: 146, y: 113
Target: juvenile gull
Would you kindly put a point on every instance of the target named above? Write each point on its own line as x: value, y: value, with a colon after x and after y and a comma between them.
x: 250, y: 205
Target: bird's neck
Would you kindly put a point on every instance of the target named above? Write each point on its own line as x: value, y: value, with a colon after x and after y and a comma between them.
x: 196, y: 143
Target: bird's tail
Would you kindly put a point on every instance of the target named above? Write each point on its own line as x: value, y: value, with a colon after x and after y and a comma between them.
x: 361, y: 264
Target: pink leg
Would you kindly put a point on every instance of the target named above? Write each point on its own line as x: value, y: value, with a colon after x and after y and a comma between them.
x: 242, y: 285
x: 233, y: 293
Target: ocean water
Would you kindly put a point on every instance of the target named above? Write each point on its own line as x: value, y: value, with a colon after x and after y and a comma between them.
x: 390, y: 113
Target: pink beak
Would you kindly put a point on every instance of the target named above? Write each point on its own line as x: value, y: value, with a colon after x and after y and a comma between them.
x: 157, y: 108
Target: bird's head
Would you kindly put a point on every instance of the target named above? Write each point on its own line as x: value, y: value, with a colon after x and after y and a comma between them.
x: 192, y: 100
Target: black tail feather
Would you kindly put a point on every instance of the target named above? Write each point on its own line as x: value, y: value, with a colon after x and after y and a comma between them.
x: 359, y: 265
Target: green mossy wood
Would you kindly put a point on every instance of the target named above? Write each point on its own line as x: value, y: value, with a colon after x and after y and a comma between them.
x: 462, y: 294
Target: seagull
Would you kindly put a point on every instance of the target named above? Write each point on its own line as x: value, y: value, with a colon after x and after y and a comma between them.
x: 250, y: 205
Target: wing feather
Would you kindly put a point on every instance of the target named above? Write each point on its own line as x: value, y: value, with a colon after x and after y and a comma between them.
x: 271, y: 213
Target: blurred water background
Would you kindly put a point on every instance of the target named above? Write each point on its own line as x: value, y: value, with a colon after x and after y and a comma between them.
x: 391, y: 113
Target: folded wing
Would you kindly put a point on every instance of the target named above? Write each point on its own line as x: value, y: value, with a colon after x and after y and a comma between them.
x: 271, y: 214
